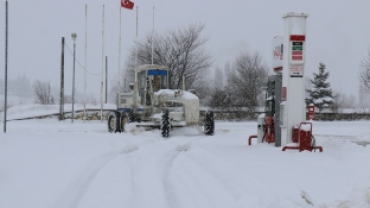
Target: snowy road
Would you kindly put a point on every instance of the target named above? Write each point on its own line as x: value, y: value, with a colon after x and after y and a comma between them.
x: 46, y: 163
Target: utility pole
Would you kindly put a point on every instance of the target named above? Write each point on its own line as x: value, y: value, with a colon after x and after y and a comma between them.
x: 85, y: 64
x: 6, y: 64
x: 153, y: 38
x: 74, y: 36
x: 119, y: 51
x: 106, y: 79
x: 102, y: 70
x: 135, y: 85
x: 61, y: 98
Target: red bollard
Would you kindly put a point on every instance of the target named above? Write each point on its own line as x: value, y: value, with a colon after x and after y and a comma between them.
x: 250, y: 139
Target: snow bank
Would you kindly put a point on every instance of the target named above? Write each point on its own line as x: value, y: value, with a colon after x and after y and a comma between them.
x: 29, y: 110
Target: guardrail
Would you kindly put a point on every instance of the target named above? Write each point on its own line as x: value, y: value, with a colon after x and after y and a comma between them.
x: 68, y: 115
x: 226, y: 115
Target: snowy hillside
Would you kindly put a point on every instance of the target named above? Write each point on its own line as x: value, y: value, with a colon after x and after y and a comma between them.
x: 47, y: 163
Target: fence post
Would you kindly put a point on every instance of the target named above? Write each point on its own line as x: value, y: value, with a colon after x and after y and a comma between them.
x: 61, y: 96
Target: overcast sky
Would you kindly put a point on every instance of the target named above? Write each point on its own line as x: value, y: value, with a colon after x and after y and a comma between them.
x: 338, y: 34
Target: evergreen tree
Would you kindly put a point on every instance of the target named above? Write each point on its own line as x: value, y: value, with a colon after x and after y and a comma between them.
x: 321, y: 93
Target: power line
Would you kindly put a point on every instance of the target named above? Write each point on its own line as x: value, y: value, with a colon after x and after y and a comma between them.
x: 70, y: 51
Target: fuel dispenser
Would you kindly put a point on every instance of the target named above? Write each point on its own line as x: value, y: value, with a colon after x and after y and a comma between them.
x: 285, y: 114
x: 268, y: 129
x: 273, y: 99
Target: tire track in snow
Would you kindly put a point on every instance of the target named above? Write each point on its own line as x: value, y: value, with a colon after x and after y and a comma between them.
x: 196, y: 187
x: 73, y: 194
x: 171, y: 179
x: 77, y: 189
x: 173, y: 150
x: 167, y: 171
x: 147, y: 188
x: 222, y: 170
x: 151, y: 167
x: 200, y: 165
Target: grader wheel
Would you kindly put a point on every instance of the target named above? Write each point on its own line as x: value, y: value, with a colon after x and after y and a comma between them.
x: 209, y: 123
x: 165, y: 124
x: 114, y: 122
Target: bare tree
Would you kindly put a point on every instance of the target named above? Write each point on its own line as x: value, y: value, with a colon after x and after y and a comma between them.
x: 245, y: 83
x: 43, y: 92
x: 247, y: 79
x: 364, y: 74
x: 181, y: 50
x: 216, y: 93
x: 341, y: 100
x: 338, y: 101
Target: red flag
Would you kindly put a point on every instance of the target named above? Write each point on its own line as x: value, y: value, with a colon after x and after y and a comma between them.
x: 127, y: 4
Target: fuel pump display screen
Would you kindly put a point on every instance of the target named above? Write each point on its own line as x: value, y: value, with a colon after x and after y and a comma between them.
x: 296, y: 55
x: 297, y: 51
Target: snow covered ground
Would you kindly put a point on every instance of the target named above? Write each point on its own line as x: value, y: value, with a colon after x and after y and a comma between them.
x: 52, y: 164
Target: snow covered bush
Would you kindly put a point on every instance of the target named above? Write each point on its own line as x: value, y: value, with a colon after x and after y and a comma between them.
x: 43, y: 92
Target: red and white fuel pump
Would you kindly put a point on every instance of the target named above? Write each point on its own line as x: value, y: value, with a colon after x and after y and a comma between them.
x: 285, y: 117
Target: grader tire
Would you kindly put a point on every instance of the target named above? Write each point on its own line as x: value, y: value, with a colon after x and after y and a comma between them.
x: 124, y: 121
x: 130, y: 116
x: 114, y: 122
x: 209, y: 123
x: 165, y: 124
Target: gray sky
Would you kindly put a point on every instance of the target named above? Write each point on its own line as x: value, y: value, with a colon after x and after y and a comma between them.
x: 338, y: 34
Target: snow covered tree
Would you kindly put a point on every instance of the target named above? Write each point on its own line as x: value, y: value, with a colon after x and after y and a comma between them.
x: 216, y: 93
x: 321, y: 93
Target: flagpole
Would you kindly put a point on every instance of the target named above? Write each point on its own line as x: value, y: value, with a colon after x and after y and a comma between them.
x: 152, y: 36
x: 85, y: 64
x: 102, y: 70
x: 6, y: 64
x: 136, y: 35
x: 137, y: 19
x: 119, y: 50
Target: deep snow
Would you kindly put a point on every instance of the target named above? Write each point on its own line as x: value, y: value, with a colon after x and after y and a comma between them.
x: 47, y: 163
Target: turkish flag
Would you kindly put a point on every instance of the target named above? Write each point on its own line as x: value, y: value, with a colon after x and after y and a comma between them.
x: 127, y: 4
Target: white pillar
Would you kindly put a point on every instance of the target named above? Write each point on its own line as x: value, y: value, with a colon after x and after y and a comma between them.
x: 293, y: 107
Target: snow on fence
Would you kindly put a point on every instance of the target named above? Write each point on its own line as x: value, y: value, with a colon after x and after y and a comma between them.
x: 220, y: 114
x: 237, y: 115
x: 341, y: 116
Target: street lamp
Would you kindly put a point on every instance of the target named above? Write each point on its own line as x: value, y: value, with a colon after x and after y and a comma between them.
x: 74, y: 37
